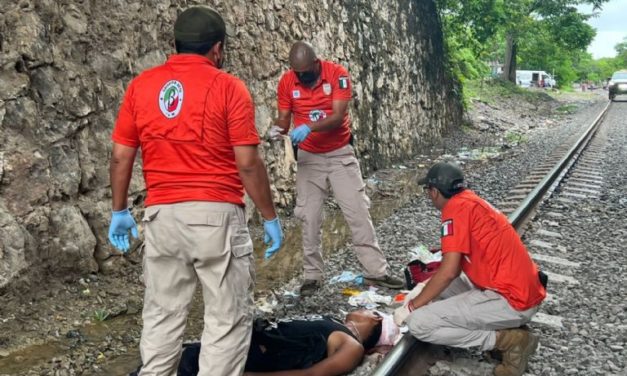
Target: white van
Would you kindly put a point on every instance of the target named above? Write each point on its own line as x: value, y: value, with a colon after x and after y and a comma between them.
x: 528, y: 78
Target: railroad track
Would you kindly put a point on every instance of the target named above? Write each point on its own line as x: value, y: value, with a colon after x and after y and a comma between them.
x: 570, y: 172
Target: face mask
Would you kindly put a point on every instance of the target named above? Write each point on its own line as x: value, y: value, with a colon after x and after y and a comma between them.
x: 307, y: 78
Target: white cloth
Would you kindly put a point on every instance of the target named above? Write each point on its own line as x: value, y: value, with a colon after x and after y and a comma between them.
x: 389, y: 331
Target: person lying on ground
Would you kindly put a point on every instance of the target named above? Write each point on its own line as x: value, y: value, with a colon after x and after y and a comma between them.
x: 317, y: 345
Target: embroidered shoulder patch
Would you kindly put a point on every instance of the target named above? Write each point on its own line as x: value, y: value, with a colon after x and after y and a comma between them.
x: 447, y: 228
x: 343, y: 82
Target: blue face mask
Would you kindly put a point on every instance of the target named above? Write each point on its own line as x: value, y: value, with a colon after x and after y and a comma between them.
x: 307, y: 78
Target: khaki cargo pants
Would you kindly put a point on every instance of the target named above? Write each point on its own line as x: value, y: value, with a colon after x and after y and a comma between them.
x: 340, y: 169
x: 466, y: 317
x: 185, y: 243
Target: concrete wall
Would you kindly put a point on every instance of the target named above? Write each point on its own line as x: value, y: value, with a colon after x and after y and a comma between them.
x: 64, y: 65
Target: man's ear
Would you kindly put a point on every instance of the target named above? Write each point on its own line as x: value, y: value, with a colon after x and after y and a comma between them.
x: 217, y: 48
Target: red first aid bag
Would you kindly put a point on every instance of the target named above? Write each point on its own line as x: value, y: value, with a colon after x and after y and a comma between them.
x: 417, y: 271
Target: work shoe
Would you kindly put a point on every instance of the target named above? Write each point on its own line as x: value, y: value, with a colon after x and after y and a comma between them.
x: 386, y: 281
x: 516, y: 345
x: 309, y: 287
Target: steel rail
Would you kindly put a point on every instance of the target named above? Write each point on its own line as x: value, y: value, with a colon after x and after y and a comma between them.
x: 395, y: 359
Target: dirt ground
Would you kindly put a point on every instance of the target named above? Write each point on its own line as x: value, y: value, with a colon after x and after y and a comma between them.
x: 54, y: 324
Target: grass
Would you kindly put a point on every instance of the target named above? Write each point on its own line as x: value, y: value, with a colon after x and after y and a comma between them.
x: 566, y: 109
x: 491, y: 91
x: 515, y: 137
x: 100, y: 315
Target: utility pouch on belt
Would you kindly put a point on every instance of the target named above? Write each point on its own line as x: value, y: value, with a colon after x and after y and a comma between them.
x: 417, y: 271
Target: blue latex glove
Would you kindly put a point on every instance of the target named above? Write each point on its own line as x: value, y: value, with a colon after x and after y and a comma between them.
x: 274, y: 233
x: 299, y: 134
x: 121, y: 222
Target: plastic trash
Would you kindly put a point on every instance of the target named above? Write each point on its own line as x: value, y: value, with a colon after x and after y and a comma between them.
x: 399, y: 298
x: 347, y: 277
x: 423, y: 254
x: 350, y: 292
x: 369, y: 300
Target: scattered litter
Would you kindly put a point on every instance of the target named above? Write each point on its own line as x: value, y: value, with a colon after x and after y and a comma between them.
x: 369, y: 300
x: 266, y: 304
x: 478, y: 154
x: 423, y: 254
x: 290, y: 294
x: 350, y: 292
x: 347, y: 277
x: 399, y: 298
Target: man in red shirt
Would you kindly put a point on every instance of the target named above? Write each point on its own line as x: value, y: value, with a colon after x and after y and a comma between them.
x: 499, y: 291
x: 195, y: 126
x: 314, y: 95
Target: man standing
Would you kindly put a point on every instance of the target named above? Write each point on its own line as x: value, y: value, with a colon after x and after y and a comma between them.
x: 316, y: 93
x: 499, y: 291
x: 196, y: 129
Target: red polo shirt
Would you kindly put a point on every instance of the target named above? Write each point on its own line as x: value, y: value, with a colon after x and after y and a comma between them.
x: 309, y: 105
x: 187, y: 115
x: 494, y: 257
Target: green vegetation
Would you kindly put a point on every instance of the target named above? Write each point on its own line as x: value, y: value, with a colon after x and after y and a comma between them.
x: 548, y: 35
x: 515, y: 137
x: 493, y: 90
x: 567, y: 109
x: 100, y: 315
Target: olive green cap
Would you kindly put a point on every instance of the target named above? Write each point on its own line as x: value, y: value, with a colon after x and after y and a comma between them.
x: 445, y: 176
x: 199, y: 24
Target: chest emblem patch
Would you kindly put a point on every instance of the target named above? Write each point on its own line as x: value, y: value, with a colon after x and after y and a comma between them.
x: 296, y: 94
x: 316, y: 115
x: 326, y: 89
x: 447, y: 228
x: 171, y: 99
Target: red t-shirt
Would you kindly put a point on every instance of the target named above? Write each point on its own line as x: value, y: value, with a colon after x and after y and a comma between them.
x: 309, y: 105
x: 187, y: 115
x: 494, y: 257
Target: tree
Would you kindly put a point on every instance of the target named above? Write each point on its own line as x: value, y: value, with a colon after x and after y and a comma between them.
x: 621, y: 53
x: 524, y: 16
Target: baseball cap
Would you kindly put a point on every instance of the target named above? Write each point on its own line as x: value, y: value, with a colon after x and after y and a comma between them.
x: 445, y: 176
x: 199, y: 24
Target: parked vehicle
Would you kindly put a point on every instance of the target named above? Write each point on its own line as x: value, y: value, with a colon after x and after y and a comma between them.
x: 529, y: 78
x: 617, y: 84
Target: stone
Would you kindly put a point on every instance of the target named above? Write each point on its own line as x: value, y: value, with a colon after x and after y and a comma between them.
x: 64, y: 68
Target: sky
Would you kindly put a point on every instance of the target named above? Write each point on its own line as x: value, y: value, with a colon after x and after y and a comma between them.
x: 611, y: 26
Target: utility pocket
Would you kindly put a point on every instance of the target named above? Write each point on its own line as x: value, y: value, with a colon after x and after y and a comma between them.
x: 150, y: 214
x: 204, y: 219
x: 299, y: 210
x: 241, y: 243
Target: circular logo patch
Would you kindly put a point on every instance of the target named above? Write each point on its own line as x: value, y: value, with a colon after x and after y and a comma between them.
x: 315, y: 115
x: 171, y: 98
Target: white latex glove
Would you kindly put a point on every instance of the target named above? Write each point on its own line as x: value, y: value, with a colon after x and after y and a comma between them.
x: 401, y: 314
x: 275, y: 133
x: 414, y: 292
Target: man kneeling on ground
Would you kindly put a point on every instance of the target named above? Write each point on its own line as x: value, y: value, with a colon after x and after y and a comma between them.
x: 499, y: 291
x: 317, y: 346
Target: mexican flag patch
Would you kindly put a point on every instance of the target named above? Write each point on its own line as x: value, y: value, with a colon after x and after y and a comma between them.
x: 343, y: 82
x: 447, y: 228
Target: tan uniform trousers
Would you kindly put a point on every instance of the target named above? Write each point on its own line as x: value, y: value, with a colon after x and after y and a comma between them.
x: 466, y: 317
x: 340, y: 169
x: 185, y: 243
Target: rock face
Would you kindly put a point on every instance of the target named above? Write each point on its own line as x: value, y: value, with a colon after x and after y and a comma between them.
x: 64, y: 66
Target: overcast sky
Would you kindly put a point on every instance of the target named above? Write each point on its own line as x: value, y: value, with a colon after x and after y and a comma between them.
x: 611, y: 25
